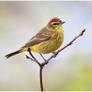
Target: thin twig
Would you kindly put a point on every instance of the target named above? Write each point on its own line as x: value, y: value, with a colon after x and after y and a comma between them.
x: 41, y: 82
x: 34, y: 59
x: 42, y: 57
x: 41, y: 65
x: 30, y: 58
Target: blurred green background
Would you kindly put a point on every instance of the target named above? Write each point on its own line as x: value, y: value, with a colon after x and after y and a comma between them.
x: 70, y: 70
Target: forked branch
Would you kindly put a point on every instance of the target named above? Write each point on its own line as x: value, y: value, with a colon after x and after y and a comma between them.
x: 41, y: 65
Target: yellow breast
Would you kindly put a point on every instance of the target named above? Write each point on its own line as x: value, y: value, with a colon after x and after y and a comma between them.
x: 52, y: 44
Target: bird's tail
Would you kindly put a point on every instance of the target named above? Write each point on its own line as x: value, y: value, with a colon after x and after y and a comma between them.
x: 14, y: 53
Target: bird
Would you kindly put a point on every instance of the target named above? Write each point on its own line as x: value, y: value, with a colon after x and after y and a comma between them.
x: 46, y: 41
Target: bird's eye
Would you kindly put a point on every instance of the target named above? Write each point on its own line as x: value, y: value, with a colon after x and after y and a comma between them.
x: 55, y: 23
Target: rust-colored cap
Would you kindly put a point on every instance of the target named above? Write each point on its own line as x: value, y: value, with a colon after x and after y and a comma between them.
x: 55, y: 19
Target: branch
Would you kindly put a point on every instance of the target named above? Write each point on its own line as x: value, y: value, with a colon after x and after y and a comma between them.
x: 70, y: 43
x: 41, y: 83
x: 41, y: 65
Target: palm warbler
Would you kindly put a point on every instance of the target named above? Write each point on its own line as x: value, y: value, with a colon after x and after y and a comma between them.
x: 47, y: 40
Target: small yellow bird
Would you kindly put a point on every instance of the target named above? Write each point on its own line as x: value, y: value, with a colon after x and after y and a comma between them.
x: 49, y: 39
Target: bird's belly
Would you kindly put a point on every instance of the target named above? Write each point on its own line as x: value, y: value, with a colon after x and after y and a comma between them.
x: 49, y: 46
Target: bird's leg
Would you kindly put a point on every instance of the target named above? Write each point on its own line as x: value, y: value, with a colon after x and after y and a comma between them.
x: 55, y: 53
x: 42, y: 57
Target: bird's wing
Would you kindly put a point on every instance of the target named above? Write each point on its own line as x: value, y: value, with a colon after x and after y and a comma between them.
x: 43, y: 35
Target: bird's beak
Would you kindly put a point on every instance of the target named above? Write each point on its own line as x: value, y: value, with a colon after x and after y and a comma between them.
x: 63, y: 22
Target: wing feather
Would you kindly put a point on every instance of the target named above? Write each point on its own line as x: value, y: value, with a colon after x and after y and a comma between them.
x: 42, y: 36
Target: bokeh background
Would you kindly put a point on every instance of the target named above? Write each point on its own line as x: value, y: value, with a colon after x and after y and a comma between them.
x: 70, y: 70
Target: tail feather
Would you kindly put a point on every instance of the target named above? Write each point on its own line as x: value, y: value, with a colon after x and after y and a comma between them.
x: 12, y: 54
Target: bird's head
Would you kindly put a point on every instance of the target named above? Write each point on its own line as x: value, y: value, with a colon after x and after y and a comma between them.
x: 55, y: 22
